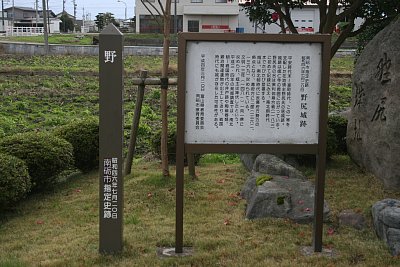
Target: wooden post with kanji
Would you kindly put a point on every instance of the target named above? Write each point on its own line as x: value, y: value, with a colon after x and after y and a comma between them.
x: 111, y: 140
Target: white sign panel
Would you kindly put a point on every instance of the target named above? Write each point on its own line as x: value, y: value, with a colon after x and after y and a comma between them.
x: 259, y: 93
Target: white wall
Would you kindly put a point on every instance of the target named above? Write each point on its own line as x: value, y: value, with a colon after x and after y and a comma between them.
x: 55, y: 25
x: 306, y: 18
x: 207, y: 13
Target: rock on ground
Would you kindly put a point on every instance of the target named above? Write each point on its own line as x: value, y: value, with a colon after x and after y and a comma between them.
x: 386, y: 216
x: 287, y: 195
x: 353, y: 219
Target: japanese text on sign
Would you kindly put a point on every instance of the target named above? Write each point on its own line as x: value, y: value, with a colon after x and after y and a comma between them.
x: 252, y: 92
x: 110, y: 197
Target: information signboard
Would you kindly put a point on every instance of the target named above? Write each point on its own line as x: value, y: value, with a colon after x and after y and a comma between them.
x: 253, y: 93
x: 259, y: 92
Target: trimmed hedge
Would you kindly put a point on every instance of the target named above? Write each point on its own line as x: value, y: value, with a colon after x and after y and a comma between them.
x: 45, y: 155
x: 84, y: 137
x: 15, y: 181
x: 171, y: 146
x: 339, y: 126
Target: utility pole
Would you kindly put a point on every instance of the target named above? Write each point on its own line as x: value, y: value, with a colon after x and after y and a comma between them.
x: 63, y: 14
x: 2, y: 13
x: 13, y: 15
x: 175, y: 18
x: 48, y: 15
x: 36, y: 10
x: 46, y: 33
x: 74, y: 2
x: 83, y: 20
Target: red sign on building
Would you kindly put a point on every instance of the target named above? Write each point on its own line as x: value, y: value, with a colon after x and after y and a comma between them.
x: 214, y: 27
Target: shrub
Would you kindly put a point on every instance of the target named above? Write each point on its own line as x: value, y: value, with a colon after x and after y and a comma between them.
x: 45, y: 155
x: 156, y: 147
x: 367, y: 35
x: 331, y: 149
x: 331, y: 143
x: 15, y: 181
x: 84, y: 137
x: 339, y: 126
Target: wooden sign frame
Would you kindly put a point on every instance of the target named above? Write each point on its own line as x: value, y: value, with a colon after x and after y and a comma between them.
x: 319, y: 149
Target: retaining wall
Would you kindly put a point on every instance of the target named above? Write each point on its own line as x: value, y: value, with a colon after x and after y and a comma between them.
x: 55, y: 49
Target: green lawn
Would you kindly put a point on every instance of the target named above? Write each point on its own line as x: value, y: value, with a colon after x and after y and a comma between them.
x: 60, y: 227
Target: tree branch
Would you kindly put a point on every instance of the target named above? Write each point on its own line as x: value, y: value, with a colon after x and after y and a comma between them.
x: 349, y: 11
x: 330, y: 17
x: 362, y: 28
x: 286, y: 15
x: 151, y: 13
x: 322, y: 14
x: 161, y: 6
x: 342, y: 37
x: 152, y: 5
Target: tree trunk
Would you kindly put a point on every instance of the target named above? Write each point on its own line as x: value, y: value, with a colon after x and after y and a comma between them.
x: 282, y: 24
x: 164, y: 88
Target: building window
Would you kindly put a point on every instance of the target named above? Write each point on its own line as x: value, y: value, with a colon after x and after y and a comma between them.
x: 196, y: 1
x: 149, y: 25
x: 220, y: 1
x: 193, y: 26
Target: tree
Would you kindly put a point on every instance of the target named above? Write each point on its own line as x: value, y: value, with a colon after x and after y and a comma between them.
x: 103, y: 19
x: 67, y: 24
x: 164, y: 13
x: 331, y: 13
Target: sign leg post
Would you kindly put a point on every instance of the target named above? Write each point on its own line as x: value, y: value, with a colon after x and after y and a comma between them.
x: 319, y: 204
x: 179, y: 203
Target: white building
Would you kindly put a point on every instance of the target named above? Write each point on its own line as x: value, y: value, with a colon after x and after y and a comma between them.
x: 28, y: 21
x: 221, y: 16
x: 3, y: 21
x: 192, y: 16
x: 306, y: 20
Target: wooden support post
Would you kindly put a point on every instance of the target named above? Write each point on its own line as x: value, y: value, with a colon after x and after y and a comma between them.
x: 135, y: 123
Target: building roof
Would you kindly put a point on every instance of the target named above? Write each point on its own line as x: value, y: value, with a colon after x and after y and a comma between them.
x: 65, y: 12
x: 21, y: 8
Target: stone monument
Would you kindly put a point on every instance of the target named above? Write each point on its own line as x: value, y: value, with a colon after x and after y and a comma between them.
x: 373, y: 131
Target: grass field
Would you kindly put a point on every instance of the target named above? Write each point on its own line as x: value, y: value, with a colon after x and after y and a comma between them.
x: 45, y: 92
x: 60, y: 227
x: 81, y: 39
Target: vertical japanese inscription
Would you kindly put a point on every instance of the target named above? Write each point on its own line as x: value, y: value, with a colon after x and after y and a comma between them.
x: 304, y: 88
x: 253, y: 91
x: 111, y: 140
x: 110, y: 181
x: 245, y: 87
x: 359, y: 96
x: 383, y: 69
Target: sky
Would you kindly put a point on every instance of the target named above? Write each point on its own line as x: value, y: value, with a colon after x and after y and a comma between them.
x: 91, y: 7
